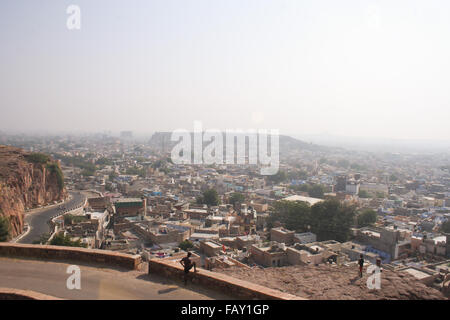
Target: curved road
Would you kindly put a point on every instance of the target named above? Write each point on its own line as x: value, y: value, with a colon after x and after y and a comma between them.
x: 38, y: 221
x: 96, y: 283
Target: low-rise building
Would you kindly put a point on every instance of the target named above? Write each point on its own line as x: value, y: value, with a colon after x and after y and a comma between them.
x: 282, y: 235
x: 269, y: 255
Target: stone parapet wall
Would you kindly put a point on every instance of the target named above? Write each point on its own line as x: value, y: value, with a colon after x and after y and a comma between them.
x: 17, y: 294
x: 105, y: 257
x: 220, y: 282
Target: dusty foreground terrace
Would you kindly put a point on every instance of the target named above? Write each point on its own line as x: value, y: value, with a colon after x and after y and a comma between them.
x: 336, y: 283
x: 96, y: 282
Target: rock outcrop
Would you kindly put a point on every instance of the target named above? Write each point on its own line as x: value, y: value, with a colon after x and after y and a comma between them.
x: 331, y: 282
x: 26, y: 181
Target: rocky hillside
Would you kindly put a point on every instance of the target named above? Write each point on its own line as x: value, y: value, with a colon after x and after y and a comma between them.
x: 27, y: 180
x: 331, y: 282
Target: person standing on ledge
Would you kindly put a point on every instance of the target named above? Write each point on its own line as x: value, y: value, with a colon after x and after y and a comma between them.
x: 361, y: 265
x: 187, y: 265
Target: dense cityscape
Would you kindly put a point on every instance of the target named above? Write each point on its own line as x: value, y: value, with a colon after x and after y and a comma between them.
x: 325, y: 206
x: 214, y: 159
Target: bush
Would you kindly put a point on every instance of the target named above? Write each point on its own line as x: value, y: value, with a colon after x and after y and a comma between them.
x: 88, y: 172
x: 61, y: 240
x: 56, y: 170
x: 141, y: 172
x: 36, y: 157
x: 329, y: 219
x: 279, y: 177
x: 186, y: 245
x: 4, y: 229
x: 71, y: 219
x: 42, y: 239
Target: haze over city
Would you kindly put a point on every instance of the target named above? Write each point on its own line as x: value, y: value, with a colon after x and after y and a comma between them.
x: 256, y: 150
x: 362, y: 69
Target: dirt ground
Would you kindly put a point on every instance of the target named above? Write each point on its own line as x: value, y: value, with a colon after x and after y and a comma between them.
x: 332, y: 282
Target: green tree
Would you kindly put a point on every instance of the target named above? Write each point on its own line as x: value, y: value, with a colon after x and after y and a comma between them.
x: 56, y: 170
x: 237, y: 197
x: 445, y: 227
x: 366, y: 218
x: 42, y: 239
x: 158, y: 164
x: 393, y: 178
x: 316, y: 191
x: 61, y: 240
x: 363, y: 194
x: 297, y: 175
x: 104, y: 161
x: 4, y: 229
x: 295, y: 215
x: 186, y: 245
x: 199, y: 200
x: 88, y: 172
x: 36, y: 157
x: 211, y: 198
x: 279, y: 177
x: 71, y: 219
x: 136, y: 171
x: 331, y: 220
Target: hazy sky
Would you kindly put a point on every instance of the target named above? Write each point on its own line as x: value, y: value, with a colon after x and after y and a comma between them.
x: 353, y: 68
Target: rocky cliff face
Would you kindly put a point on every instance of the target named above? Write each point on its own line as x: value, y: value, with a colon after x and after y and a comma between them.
x: 27, y: 180
x: 331, y: 282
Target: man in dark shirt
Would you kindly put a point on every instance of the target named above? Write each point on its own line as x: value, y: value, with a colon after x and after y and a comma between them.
x: 187, y: 265
x: 361, y: 264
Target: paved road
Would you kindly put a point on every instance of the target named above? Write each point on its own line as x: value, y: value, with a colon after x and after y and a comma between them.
x: 38, y: 221
x: 96, y: 283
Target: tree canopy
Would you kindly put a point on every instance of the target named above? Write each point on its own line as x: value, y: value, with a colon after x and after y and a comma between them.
x: 279, y: 177
x: 445, y: 227
x: 313, y: 190
x: 329, y: 220
x: 366, y: 218
x: 210, y: 198
x: 363, y: 194
x: 186, y: 245
x: 61, y: 240
x: 37, y: 157
x: 236, y: 197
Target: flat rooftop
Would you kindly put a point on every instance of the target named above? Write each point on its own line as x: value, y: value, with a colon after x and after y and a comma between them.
x: 371, y: 233
x: 310, y: 200
x: 128, y: 200
x: 212, y: 244
x: 417, y: 273
x: 203, y: 236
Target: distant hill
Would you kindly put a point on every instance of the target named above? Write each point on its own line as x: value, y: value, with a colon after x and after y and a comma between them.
x: 161, y: 141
